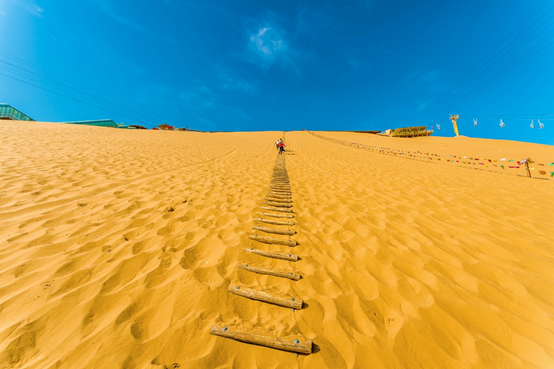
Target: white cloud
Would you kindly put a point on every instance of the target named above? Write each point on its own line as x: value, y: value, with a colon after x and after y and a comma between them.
x: 268, y: 44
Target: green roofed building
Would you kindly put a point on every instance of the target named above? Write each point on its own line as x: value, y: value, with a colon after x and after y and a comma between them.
x: 7, y: 112
x: 99, y: 123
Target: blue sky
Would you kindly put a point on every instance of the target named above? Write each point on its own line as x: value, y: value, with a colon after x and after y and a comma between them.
x: 268, y: 65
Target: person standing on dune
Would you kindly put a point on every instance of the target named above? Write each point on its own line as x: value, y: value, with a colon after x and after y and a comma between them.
x: 277, y: 143
x: 281, y: 147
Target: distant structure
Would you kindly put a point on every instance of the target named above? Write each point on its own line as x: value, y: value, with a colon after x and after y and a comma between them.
x: 7, y: 112
x: 370, y: 132
x: 454, y: 119
x: 408, y: 132
x: 99, y: 123
x: 190, y: 130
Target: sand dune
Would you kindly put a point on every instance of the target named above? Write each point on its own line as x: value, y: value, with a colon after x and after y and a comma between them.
x: 117, y: 247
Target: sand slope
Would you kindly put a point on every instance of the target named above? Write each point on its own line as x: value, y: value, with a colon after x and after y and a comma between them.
x: 117, y: 247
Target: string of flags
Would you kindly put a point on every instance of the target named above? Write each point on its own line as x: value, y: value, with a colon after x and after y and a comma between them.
x: 502, y: 163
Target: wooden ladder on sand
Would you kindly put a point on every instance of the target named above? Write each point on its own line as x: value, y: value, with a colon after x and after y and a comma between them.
x: 279, y: 202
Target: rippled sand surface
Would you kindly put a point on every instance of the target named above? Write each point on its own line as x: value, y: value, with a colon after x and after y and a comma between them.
x: 117, y: 247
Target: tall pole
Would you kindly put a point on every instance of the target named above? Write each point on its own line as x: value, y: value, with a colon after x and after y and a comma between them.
x: 454, y: 119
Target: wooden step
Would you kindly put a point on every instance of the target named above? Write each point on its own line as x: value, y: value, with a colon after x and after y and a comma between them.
x: 278, y: 204
x: 274, y: 241
x: 286, y: 232
x: 260, y: 269
x: 277, y: 199
x: 277, y: 215
x: 271, y: 221
x: 284, y: 193
x: 286, y: 189
x: 279, y: 196
x: 294, y: 344
x: 273, y: 254
x: 282, y: 210
x: 286, y: 301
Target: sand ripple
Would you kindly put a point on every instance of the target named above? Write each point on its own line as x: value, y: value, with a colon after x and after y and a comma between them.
x: 117, y: 247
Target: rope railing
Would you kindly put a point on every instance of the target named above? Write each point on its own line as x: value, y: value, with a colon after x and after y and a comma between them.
x: 481, y: 163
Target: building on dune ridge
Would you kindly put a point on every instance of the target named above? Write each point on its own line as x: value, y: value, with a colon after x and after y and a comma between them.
x: 99, y: 123
x: 8, y: 112
x: 407, y: 132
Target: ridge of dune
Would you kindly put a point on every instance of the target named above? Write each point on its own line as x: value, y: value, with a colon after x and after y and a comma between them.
x: 117, y: 248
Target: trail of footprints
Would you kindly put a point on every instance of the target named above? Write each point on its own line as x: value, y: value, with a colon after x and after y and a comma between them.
x: 276, y: 211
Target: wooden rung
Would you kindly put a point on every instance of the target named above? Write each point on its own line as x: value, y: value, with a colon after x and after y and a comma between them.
x: 277, y: 215
x: 272, y: 254
x: 274, y: 241
x: 290, y: 274
x: 299, y: 344
x: 284, y: 193
x: 286, y: 301
x: 287, y: 232
x: 278, y: 199
x: 280, y: 188
x: 278, y: 204
x: 279, y: 196
x: 271, y: 221
x: 282, y: 210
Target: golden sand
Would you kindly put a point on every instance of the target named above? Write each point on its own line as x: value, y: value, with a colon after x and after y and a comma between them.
x: 117, y: 247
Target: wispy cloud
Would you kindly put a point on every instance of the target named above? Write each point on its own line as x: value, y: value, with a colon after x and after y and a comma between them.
x: 110, y: 9
x: 268, y: 43
x: 30, y: 5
